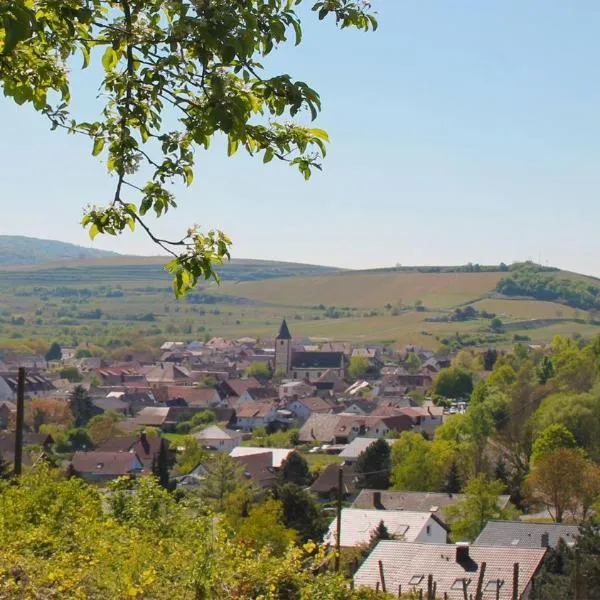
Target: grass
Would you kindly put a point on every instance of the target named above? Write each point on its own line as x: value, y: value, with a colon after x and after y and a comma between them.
x: 317, y: 462
x: 175, y: 438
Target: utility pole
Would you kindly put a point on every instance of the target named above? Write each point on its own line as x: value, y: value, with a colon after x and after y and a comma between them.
x: 20, y: 419
x: 338, y: 532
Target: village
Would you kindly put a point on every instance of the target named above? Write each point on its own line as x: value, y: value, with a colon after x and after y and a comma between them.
x: 323, y: 418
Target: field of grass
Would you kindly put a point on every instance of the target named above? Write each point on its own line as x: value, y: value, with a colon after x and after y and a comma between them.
x: 125, y: 305
x: 369, y: 290
x: 317, y: 462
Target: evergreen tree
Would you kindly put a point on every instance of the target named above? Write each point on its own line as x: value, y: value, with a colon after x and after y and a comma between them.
x: 373, y: 466
x: 160, y: 466
x: 81, y: 406
x: 301, y: 511
x: 379, y: 533
x: 295, y: 470
x: 5, y: 468
x: 490, y: 356
x: 453, y: 483
x: 545, y: 370
x: 55, y: 352
x: 501, y: 472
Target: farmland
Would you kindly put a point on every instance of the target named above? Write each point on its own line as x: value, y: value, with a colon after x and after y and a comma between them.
x: 118, y: 305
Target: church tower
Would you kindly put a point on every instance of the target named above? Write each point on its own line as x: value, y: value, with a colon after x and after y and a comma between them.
x: 283, y: 349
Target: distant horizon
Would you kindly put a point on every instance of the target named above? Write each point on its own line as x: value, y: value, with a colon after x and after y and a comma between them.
x: 292, y: 261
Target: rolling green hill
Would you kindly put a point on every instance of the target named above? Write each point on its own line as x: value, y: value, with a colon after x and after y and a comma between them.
x: 124, y: 304
x: 22, y: 250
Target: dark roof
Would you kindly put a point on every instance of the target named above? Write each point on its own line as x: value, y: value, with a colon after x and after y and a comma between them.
x: 408, y: 564
x: 284, y: 332
x: 327, y: 481
x: 103, y: 463
x: 146, y: 447
x: 258, y: 467
x: 519, y: 534
x: 7, y: 440
x: 433, y: 502
x: 317, y: 360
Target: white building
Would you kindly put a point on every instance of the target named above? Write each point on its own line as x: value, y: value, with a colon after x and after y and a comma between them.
x: 223, y: 440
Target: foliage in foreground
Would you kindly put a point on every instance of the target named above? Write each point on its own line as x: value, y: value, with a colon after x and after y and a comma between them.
x: 60, y: 540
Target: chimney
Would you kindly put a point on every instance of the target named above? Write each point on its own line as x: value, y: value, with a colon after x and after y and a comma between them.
x: 377, y: 500
x: 545, y: 539
x: 462, y: 552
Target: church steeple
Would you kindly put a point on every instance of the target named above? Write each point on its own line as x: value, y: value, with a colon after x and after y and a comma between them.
x: 284, y: 332
x: 283, y: 349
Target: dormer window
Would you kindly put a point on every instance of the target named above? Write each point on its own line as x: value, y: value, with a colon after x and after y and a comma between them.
x: 100, y: 465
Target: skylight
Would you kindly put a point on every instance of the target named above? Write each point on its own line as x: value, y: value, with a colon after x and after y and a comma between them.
x: 416, y: 579
x: 460, y: 583
x: 494, y: 585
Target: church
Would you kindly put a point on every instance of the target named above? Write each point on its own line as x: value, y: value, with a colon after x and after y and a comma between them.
x: 309, y: 366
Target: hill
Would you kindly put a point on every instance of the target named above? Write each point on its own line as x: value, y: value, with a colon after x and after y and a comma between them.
x: 22, y: 250
x: 126, y: 304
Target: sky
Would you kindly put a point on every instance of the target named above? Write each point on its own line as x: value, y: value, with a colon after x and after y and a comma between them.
x: 461, y: 131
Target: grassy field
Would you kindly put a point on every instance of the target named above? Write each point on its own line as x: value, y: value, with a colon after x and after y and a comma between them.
x: 125, y: 305
x: 369, y: 290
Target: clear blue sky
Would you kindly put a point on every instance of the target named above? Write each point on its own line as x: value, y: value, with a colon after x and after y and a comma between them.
x: 460, y: 131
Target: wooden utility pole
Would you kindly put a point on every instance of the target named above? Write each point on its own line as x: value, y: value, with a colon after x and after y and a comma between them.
x: 338, y: 532
x: 576, y: 592
x: 382, y: 577
x: 20, y: 419
x: 515, y: 590
x: 479, y: 591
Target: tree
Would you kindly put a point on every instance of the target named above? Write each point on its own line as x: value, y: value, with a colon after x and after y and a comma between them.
x: 413, y: 362
x: 489, y: 359
x: 295, y: 469
x: 40, y: 411
x: 545, y: 370
x: 79, y: 439
x: 301, y: 511
x: 223, y: 476
x: 264, y: 528
x: 82, y: 406
x: 414, y: 467
x: 554, y: 481
x: 5, y: 468
x: 71, y: 373
x: 103, y: 427
x: 259, y: 370
x: 453, y: 382
x: 160, y: 466
x: 588, y: 490
x: 373, y: 466
x: 552, y: 438
x: 469, y: 516
x: 55, y: 352
x: 379, y: 533
x: 191, y: 456
x: 496, y: 324
x: 358, y: 366
x: 200, y: 60
x: 453, y: 483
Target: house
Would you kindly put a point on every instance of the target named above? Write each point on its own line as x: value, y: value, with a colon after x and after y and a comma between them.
x: 258, y: 468
x: 327, y: 483
x: 43, y: 440
x: 237, y: 388
x: 521, y: 534
x: 146, y: 448
x: 278, y: 455
x: 329, y: 382
x: 342, y: 428
x: 406, y: 566
x: 97, y: 467
x: 359, y: 524
x: 290, y: 390
x: 309, y: 366
x: 425, y: 419
x: 304, y: 407
x: 432, y: 502
x: 35, y: 386
x: 219, y: 438
x: 8, y: 411
x: 205, y: 397
x: 355, y: 448
x: 167, y: 374
x: 256, y: 414
x: 172, y: 346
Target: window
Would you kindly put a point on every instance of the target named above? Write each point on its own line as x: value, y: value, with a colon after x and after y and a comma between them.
x: 221, y: 442
x: 295, y: 375
x: 494, y: 585
x: 281, y: 343
x: 416, y: 579
x: 307, y: 374
x: 460, y: 583
x: 428, y: 529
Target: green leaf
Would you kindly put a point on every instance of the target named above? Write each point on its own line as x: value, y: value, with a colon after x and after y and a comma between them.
x: 319, y: 133
x: 94, y: 231
x: 232, y: 145
x: 268, y: 157
x: 86, y: 56
x: 109, y: 59
x: 98, y: 146
x: 188, y: 175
